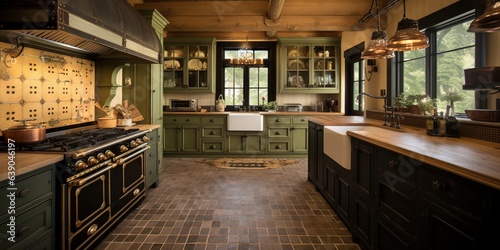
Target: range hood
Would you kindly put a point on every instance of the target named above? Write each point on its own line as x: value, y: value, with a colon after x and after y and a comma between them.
x: 107, y: 30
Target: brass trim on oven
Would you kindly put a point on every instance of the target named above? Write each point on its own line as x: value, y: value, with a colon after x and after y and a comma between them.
x: 80, y: 182
x: 79, y: 222
x: 124, y: 165
x: 121, y: 158
x: 92, y: 229
x: 136, y: 191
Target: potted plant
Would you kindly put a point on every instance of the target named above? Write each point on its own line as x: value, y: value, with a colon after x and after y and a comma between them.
x: 403, y: 103
x: 272, y: 106
x: 452, y: 97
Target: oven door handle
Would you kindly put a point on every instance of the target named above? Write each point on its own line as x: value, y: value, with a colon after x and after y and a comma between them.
x: 80, y: 182
x: 124, y: 159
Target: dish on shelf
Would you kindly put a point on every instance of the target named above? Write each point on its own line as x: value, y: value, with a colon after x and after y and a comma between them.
x: 195, y: 64
x: 296, y: 81
x: 125, y: 125
x: 293, y: 53
x: 296, y: 64
x: 171, y: 64
x: 198, y: 54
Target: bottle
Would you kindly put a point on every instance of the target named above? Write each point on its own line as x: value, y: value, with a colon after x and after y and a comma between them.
x: 432, y: 124
x: 442, y: 124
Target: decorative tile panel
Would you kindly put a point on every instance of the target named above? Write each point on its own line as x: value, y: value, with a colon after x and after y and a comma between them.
x: 54, y: 89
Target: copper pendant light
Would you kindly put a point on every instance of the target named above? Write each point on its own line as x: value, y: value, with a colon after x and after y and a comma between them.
x: 377, y: 49
x: 408, y: 36
x: 489, y: 21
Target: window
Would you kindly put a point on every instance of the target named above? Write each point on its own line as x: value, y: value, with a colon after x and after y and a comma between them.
x: 246, y: 84
x: 439, y: 69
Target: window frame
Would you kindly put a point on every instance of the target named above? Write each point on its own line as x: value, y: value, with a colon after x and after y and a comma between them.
x: 269, y: 63
x: 458, y: 12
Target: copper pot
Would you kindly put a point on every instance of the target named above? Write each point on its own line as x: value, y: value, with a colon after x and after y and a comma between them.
x: 25, y: 133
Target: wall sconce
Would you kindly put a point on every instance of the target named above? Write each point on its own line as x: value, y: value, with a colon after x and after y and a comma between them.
x: 373, y: 68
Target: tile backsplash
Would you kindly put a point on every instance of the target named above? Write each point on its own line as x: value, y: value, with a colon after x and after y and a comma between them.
x: 49, y: 88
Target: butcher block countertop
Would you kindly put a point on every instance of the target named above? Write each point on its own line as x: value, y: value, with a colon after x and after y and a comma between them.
x: 304, y: 113
x: 26, y: 162
x: 474, y: 159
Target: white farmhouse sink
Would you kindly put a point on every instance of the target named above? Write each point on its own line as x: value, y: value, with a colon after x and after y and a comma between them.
x: 337, y: 144
x: 245, y: 122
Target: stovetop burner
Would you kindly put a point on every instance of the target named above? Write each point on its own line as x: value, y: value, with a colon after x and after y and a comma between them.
x: 78, y: 140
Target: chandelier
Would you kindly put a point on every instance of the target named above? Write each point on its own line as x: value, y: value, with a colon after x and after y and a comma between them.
x: 246, y: 58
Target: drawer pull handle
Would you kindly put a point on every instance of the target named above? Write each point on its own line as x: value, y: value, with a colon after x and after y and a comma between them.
x: 136, y: 192
x: 23, y: 230
x: 174, y: 120
x: 92, y: 229
x: 24, y: 192
x: 187, y: 120
x: 277, y: 133
x: 212, y: 133
x: 212, y: 146
x: 211, y: 120
x: 278, y: 147
x: 302, y: 120
x: 393, y: 163
x: 437, y: 185
x: 278, y: 120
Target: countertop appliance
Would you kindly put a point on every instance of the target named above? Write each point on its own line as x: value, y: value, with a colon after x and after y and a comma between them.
x: 293, y: 107
x: 101, y: 178
x: 183, y: 105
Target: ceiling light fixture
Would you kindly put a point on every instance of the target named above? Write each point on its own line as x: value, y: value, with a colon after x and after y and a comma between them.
x: 489, y: 21
x: 246, y: 58
x: 408, y: 36
x: 377, y: 49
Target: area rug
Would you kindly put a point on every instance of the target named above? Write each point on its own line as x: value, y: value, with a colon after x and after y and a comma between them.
x: 247, y: 163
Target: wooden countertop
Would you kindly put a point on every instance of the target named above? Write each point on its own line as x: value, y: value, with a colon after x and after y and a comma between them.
x: 474, y: 159
x: 304, y: 113
x: 26, y: 162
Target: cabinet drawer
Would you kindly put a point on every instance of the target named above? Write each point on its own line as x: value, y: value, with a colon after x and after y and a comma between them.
x: 454, y: 191
x: 278, y: 132
x: 278, y: 120
x: 212, y: 146
x: 278, y: 146
x: 212, y: 132
x: 395, y: 169
x: 28, y: 189
x: 213, y: 120
x: 296, y: 120
x: 182, y: 119
x: 30, y: 225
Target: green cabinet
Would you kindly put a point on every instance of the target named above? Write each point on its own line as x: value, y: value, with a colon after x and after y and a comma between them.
x: 152, y: 159
x: 181, y: 134
x: 189, y: 65
x: 309, y: 65
x: 34, y: 210
x: 213, y: 131
x: 286, y: 134
x: 245, y: 143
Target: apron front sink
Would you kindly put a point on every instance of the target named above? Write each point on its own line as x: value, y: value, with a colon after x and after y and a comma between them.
x: 245, y: 122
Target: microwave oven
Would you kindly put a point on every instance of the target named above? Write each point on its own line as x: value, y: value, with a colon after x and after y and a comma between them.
x: 183, y: 105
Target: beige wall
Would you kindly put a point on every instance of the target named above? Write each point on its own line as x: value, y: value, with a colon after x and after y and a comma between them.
x: 415, y: 9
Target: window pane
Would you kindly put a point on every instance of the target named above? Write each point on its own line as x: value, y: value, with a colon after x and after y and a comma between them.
x: 414, y: 77
x: 230, y: 54
x: 261, y: 54
x: 356, y: 73
x: 455, y: 37
x: 450, y: 78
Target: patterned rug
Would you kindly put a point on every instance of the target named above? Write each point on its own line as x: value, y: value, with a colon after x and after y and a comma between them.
x: 247, y: 163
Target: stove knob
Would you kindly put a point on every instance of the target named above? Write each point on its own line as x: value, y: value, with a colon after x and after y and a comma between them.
x: 79, y: 165
x: 139, y: 141
x: 123, y: 148
x: 145, y: 138
x: 109, y: 154
x: 133, y: 144
x: 92, y: 161
x: 102, y: 157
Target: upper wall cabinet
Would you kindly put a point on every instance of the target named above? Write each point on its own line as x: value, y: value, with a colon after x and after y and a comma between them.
x: 309, y: 65
x: 189, y: 65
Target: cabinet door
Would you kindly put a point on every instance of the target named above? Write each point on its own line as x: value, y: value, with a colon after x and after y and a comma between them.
x: 152, y: 166
x: 444, y: 230
x: 362, y: 216
x: 171, y: 138
x: 299, y: 139
x: 362, y: 160
x: 313, y: 148
x: 388, y: 236
x: 190, y: 139
x: 244, y: 143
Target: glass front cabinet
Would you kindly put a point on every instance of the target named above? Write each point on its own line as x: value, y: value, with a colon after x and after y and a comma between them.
x: 189, y: 65
x: 309, y: 65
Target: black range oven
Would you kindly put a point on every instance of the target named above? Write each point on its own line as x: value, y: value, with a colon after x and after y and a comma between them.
x: 100, y: 180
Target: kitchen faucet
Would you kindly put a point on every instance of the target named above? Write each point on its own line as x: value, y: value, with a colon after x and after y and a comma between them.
x: 395, y: 120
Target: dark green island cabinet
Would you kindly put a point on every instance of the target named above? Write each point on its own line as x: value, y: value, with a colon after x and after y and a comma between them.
x: 392, y: 201
x: 34, y: 210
